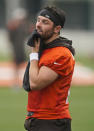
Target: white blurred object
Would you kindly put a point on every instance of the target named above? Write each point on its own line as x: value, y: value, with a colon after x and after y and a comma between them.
x: 5, y: 48
x: 83, y: 75
x: 19, y: 13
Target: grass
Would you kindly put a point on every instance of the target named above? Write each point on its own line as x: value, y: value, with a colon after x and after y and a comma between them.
x: 13, y: 109
x: 85, y: 60
x: 4, y: 57
x: 82, y: 108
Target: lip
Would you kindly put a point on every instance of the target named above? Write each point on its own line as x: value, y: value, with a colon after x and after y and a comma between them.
x: 40, y: 32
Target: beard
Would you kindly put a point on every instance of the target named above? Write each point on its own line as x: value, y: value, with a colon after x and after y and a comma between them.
x: 47, y: 34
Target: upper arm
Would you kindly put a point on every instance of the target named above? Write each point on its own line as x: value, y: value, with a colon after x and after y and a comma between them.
x: 45, y: 77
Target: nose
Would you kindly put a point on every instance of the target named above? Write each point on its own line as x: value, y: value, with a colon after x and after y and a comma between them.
x: 38, y: 24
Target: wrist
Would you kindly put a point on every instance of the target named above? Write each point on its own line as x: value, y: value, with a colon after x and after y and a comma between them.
x: 33, y: 56
x: 34, y: 50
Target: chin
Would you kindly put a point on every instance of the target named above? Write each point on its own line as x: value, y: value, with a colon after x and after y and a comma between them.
x: 40, y: 33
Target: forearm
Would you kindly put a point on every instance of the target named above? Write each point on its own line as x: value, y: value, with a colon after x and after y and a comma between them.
x: 33, y: 73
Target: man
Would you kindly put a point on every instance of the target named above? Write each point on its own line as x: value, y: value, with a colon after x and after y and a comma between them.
x: 50, y: 76
x: 18, y: 29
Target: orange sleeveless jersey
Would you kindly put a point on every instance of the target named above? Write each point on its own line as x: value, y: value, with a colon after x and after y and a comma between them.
x: 51, y: 102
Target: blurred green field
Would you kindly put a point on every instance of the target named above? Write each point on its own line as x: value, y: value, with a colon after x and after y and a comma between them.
x: 13, y: 109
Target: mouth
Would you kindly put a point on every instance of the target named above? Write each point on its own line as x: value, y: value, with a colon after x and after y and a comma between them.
x: 39, y: 31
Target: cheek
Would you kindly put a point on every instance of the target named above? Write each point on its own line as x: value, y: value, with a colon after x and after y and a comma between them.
x: 46, y: 29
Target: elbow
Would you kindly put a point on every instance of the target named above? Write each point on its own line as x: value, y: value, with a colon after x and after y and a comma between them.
x: 34, y: 86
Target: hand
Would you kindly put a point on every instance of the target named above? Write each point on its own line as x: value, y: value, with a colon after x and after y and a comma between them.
x: 37, y: 45
x: 34, y: 35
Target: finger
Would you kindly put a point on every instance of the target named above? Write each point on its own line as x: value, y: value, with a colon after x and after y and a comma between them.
x: 37, y: 42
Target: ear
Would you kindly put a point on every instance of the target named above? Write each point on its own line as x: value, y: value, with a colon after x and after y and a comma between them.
x: 57, y: 29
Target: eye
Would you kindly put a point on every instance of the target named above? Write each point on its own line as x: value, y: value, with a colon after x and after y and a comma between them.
x: 45, y: 22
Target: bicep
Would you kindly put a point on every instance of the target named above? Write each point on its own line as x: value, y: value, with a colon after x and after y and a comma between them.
x: 47, y: 74
x: 45, y: 77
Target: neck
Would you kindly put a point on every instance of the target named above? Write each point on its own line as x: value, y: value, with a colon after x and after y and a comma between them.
x: 51, y: 39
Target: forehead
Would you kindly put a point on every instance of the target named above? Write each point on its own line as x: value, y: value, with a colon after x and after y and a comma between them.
x: 44, y: 18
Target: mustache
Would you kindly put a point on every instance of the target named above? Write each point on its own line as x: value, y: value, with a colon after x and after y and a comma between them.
x: 39, y: 29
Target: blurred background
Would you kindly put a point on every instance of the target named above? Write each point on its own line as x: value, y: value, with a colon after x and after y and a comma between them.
x: 17, y: 21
